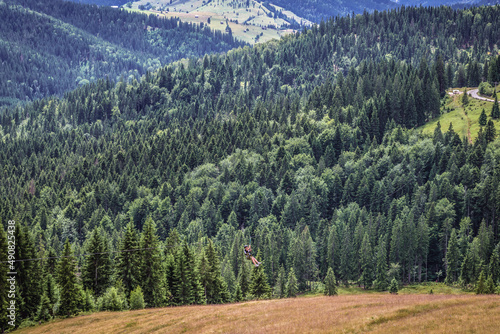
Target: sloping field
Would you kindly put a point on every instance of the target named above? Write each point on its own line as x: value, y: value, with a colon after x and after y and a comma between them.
x: 374, y: 313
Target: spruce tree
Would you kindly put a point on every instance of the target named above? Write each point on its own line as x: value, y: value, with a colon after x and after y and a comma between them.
x: 28, y: 273
x: 381, y: 282
x: 453, y: 259
x: 366, y: 261
x: 151, y: 274
x: 66, y: 278
x: 465, y: 97
x: 96, y: 270
x: 210, y: 276
x: 483, y: 119
x: 490, y: 285
x: 494, y: 265
x: 330, y: 283
x: 292, y: 287
x: 394, y: 287
x: 490, y: 132
x: 481, y: 284
x: 259, y: 287
x: 137, y: 299
x: 127, y: 267
x: 280, y: 286
x: 495, y: 110
x: 244, y: 278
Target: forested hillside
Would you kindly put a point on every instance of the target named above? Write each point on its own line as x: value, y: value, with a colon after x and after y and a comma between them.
x: 303, y: 147
x: 51, y: 47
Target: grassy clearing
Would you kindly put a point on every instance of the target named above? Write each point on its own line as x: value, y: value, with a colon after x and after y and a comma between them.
x: 378, y: 313
x: 234, y: 12
x: 463, y: 118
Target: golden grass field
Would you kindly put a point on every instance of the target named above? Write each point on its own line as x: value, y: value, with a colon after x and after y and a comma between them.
x: 374, y: 313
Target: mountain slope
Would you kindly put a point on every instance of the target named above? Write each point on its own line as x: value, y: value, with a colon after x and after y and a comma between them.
x: 52, y: 46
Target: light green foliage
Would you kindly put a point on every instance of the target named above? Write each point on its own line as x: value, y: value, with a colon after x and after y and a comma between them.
x: 137, y: 299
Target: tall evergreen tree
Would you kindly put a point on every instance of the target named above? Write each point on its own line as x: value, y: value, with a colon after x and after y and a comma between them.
x: 292, y: 287
x: 96, y: 270
x: 259, y: 287
x: 381, y: 280
x: 330, y: 283
x: 66, y: 278
x: 152, y: 278
x: 128, y: 260
x: 366, y: 260
x: 453, y: 259
x: 495, y: 110
x: 483, y: 119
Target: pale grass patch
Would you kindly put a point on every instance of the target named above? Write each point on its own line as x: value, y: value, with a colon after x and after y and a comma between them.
x: 377, y: 313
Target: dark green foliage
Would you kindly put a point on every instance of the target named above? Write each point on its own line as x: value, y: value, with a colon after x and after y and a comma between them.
x: 303, y: 147
x: 330, y: 283
x: 366, y: 261
x: 259, y: 287
x: 96, y: 270
x: 151, y: 274
x: 292, y: 287
x: 495, y: 110
x: 66, y: 278
x: 483, y: 119
x: 394, y: 286
x: 59, y: 45
x: 453, y: 259
x: 381, y: 281
x: 481, y: 287
x: 490, y: 133
x: 465, y: 97
x: 4, y: 285
x: 128, y: 260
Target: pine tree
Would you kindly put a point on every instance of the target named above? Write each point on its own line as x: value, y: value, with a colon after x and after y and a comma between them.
x: 453, y: 259
x: 28, y: 273
x: 330, y: 283
x: 151, y: 274
x: 381, y: 282
x: 188, y: 289
x: 495, y: 110
x: 483, y: 119
x: 127, y: 268
x: 481, y: 284
x: 494, y: 265
x: 280, y: 286
x: 137, y: 299
x: 292, y: 287
x: 394, y: 287
x: 490, y: 285
x: 366, y: 261
x: 244, y: 279
x: 465, y: 97
x: 490, y: 132
x: 259, y: 287
x: 66, y: 278
x: 96, y: 270
x: 215, y: 287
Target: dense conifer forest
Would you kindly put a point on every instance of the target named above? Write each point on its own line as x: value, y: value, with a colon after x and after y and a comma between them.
x: 306, y: 147
x: 50, y: 47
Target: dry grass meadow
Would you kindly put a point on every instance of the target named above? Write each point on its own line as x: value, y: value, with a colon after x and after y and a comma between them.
x: 373, y: 313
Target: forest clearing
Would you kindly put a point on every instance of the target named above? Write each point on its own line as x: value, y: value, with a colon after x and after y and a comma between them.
x: 375, y: 313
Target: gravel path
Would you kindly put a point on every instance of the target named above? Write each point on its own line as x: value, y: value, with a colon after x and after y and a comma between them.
x: 475, y: 95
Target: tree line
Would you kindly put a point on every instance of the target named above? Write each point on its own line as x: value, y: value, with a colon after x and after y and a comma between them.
x: 320, y: 168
